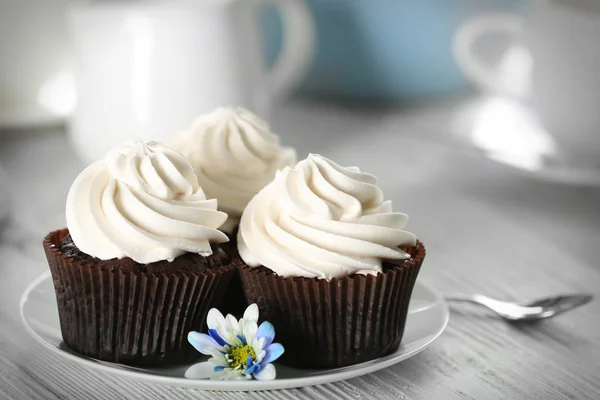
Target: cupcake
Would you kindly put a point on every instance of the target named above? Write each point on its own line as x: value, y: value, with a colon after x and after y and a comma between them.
x: 141, y: 260
x: 329, y: 264
x: 234, y: 154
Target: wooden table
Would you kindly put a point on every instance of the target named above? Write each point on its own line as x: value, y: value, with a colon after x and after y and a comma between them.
x: 488, y: 229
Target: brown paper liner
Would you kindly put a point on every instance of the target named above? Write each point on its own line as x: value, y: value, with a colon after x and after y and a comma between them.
x: 342, y: 322
x: 131, y: 317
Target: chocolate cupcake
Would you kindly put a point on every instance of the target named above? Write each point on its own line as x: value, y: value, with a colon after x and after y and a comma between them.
x: 141, y: 261
x: 234, y: 154
x: 329, y: 264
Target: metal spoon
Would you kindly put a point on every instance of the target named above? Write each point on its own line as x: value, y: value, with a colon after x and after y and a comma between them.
x: 528, y: 311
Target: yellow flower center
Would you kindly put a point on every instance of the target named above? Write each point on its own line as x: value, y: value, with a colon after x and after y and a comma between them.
x: 239, y: 355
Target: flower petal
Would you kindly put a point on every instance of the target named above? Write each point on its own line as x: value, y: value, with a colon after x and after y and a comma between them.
x: 267, y: 331
x: 274, y: 351
x: 242, y: 339
x: 215, y: 335
x: 258, y: 344
x: 218, y: 376
x: 236, y: 375
x: 251, y: 370
x: 218, y: 361
x: 250, y: 331
x: 232, y: 324
x: 251, y: 313
x: 267, y: 373
x: 201, y: 370
x: 215, y: 319
x: 202, y: 342
x: 228, y: 336
x: 215, y: 353
x: 259, y: 356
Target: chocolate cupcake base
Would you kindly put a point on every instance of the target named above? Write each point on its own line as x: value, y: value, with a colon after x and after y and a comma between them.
x: 345, y: 321
x: 234, y: 301
x: 128, y: 313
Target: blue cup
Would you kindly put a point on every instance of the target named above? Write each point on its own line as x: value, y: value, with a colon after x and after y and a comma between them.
x: 386, y: 49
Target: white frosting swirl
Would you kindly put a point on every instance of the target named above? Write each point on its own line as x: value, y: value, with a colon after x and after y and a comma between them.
x: 320, y: 220
x: 234, y: 155
x: 142, y: 201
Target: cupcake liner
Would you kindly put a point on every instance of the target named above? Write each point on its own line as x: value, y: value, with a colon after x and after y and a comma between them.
x: 131, y: 317
x: 326, y: 324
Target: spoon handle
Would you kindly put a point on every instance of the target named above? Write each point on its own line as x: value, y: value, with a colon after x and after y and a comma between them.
x: 507, y: 310
x: 538, y: 309
x: 460, y: 297
x: 476, y: 299
x: 481, y: 300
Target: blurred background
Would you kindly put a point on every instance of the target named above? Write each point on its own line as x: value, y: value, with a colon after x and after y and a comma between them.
x: 111, y: 71
x: 450, y: 103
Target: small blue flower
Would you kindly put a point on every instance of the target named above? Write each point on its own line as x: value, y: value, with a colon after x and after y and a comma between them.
x: 238, y: 349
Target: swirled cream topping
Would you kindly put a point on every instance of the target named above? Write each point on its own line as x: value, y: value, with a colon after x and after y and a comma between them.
x: 234, y: 154
x: 142, y: 201
x: 320, y: 220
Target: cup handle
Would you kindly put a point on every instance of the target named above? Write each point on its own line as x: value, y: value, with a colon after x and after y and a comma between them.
x: 297, y: 50
x: 471, y: 64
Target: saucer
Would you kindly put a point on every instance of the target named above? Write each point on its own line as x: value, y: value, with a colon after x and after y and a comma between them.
x: 427, y: 318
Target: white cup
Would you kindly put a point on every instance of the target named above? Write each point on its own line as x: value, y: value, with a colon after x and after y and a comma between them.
x: 557, y: 70
x: 147, y: 69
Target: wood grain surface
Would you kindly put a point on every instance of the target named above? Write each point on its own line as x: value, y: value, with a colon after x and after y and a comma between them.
x: 488, y: 229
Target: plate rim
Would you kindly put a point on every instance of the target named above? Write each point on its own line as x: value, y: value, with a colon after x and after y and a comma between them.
x: 337, y: 374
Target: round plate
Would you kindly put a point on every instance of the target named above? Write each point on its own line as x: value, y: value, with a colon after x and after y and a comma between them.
x: 427, y: 319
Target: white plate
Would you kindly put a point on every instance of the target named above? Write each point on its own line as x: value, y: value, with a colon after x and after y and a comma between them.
x: 427, y: 319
